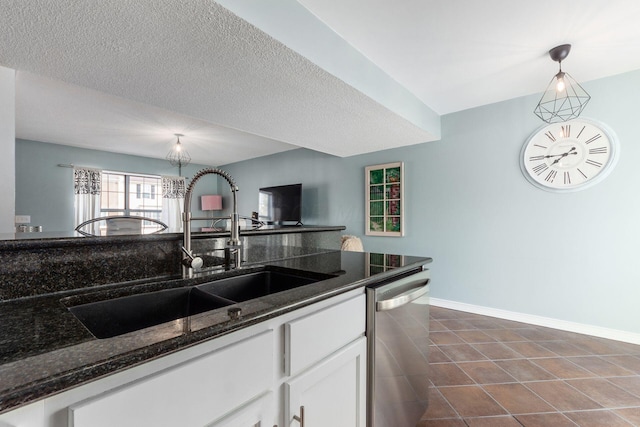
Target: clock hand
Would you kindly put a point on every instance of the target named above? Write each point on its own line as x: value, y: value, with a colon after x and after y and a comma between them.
x: 572, y: 151
x: 563, y: 155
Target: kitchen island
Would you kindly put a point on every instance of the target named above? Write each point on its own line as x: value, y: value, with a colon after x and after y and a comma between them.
x: 46, y: 350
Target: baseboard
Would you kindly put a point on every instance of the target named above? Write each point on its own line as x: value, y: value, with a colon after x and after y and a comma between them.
x: 597, y: 331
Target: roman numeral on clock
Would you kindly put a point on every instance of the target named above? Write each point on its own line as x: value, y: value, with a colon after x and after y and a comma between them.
x: 534, y: 158
x: 540, y: 168
x: 593, y: 138
x: 582, y: 173
x: 593, y: 163
x: 566, y: 131
x: 599, y: 150
x: 550, y: 136
x: 551, y: 176
x: 567, y: 178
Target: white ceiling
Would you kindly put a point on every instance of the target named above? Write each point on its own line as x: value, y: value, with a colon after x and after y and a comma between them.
x: 125, y: 75
x: 459, y: 54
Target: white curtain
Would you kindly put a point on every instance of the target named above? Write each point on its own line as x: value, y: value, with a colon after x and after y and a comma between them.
x: 173, y: 190
x: 87, y: 184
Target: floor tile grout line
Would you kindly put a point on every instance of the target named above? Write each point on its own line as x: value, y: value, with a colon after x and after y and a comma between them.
x: 568, y: 419
x: 515, y: 380
x: 623, y: 417
x: 619, y: 365
x: 574, y: 347
x: 628, y: 391
x: 485, y: 392
x: 449, y: 403
x: 554, y: 406
x: 560, y: 378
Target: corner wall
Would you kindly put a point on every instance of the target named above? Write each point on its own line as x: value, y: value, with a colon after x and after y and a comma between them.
x: 496, y: 240
x: 7, y: 138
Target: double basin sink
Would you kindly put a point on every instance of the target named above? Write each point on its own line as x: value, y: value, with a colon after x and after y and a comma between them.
x: 117, y: 316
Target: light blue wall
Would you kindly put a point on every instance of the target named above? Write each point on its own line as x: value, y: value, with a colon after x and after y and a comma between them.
x: 496, y: 240
x: 45, y: 191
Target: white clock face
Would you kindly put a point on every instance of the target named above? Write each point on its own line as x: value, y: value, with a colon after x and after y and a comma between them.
x: 569, y: 156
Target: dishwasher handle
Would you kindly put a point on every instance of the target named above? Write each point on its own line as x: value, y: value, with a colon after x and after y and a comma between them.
x: 412, y: 294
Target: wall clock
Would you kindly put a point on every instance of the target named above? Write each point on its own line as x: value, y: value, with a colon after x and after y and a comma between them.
x: 569, y: 156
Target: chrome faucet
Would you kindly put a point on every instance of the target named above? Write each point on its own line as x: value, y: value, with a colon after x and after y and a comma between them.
x: 233, y: 246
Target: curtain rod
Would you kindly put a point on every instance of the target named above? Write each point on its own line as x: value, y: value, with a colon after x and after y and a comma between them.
x: 72, y: 166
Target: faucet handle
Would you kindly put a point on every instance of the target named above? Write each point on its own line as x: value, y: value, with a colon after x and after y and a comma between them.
x: 195, y: 262
x: 191, y: 261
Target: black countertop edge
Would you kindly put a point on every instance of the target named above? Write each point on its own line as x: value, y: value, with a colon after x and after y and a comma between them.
x: 59, y: 383
x: 47, y: 240
x: 32, y: 390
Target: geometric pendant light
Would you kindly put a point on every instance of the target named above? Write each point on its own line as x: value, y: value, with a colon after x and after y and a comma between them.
x: 178, y: 156
x: 564, y: 98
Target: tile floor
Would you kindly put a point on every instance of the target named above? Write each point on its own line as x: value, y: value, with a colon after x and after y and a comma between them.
x: 489, y: 372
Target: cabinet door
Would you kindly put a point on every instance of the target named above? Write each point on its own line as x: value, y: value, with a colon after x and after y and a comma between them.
x: 311, y: 338
x: 332, y: 392
x: 28, y: 416
x: 194, y: 393
x: 257, y: 413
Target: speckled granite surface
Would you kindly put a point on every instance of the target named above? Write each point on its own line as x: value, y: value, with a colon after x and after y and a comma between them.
x: 44, y: 349
x: 47, y: 265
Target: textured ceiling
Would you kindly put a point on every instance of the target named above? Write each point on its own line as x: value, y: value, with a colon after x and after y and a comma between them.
x: 338, y: 76
x: 62, y: 113
x: 195, y: 59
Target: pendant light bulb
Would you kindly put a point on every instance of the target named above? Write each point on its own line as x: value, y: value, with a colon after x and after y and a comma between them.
x: 560, y: 86
x: 177, y: 156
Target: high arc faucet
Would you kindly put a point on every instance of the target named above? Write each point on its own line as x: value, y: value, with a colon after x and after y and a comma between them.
x: 233, y: 245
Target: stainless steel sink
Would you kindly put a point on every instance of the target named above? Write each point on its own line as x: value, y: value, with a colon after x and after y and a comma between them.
x: 259, y: 284
x: 105, y: 319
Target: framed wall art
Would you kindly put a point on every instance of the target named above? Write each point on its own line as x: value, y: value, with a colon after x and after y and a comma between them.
x: 384, y: 200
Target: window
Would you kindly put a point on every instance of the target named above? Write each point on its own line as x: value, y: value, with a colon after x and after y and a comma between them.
x: 131, y: 195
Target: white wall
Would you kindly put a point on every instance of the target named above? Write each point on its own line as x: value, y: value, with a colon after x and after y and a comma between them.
x: 497, y: 241
x: 7, y: 142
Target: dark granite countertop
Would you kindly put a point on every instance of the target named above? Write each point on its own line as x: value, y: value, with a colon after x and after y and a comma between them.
x: 73, y: 238
x: 44, y: 349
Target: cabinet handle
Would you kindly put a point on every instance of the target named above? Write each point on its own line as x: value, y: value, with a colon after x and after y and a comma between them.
x: 300, y: 418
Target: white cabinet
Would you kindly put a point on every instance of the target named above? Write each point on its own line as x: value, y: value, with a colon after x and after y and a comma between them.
x: 325, y: 358
x: 310, y: 338
x: 332, y: 393
x: 258, y: 376
x: 27, y: 416
x: 195, y: 393
x: 258, y: 413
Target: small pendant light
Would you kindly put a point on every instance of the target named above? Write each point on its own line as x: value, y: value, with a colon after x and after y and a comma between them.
x: 178, y: 156
x: 564, y: 98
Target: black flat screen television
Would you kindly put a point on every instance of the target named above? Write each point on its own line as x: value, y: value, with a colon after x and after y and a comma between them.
x: 280, y: 204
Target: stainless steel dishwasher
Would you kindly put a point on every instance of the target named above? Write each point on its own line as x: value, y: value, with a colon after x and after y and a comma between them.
x: 398, y: 343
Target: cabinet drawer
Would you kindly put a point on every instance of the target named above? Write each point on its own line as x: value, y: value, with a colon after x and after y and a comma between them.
x: 194, y: 393
x: 311, y: 338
